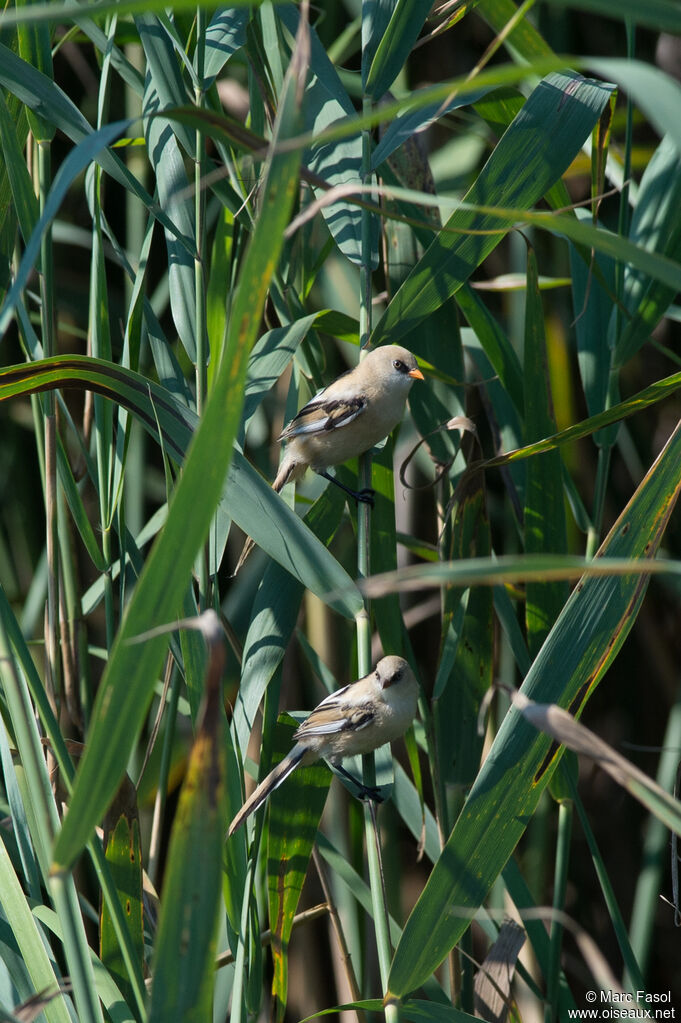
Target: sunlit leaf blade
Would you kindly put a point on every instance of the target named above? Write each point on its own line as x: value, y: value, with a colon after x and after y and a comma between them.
x: 532, y: 154
x: 131, y: 670
x: 574, y: 658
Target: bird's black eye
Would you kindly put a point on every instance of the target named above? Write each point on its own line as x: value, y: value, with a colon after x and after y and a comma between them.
x: 399, y: 366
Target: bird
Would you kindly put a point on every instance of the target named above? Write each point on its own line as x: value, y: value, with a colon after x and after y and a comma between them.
x: 354, y: 720
x: 345, y: 419
x: 350, y: 416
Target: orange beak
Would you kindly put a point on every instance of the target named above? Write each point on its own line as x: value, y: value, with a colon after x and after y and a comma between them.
x: 416, y: 374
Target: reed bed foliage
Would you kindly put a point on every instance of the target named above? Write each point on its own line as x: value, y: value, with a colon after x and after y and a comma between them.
x: 207, y: 212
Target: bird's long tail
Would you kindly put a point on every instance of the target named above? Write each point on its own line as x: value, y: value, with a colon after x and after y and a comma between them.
x: 270, y: 783
x: 287, y: 469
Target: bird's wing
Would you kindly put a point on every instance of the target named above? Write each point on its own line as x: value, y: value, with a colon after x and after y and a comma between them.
x: 322, y: 414
x: 336, y: 714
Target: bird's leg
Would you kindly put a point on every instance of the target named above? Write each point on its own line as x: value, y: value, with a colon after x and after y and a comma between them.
x: 365, y: 791
x: 366, y: 496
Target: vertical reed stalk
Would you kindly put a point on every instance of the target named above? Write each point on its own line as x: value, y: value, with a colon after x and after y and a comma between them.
x: 373, y: 842
x: 560, y: 880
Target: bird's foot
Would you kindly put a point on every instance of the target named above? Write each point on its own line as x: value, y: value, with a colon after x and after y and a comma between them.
x: 369, y: 793
x: 365, y: 496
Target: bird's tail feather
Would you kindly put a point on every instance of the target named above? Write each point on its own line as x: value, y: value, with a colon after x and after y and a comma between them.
x: 270, y: 783
x: 287, y: 470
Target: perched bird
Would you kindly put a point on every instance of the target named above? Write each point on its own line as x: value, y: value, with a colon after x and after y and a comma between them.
x: 345, y: 419
x: 349, y: 416
x: 356, y: 719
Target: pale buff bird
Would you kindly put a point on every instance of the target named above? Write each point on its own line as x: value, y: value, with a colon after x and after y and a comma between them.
x: 354, y: 720
x: 347, y: 418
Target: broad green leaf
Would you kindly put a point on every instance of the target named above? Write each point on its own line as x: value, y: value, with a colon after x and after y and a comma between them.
x: 580, y: 647
x: 225, y: 34
x: 338, y: 162
x: 131, y: 671
x: 390, y: 46
x: 530, y: 157
x: 273, y: 620
x: 164, y: 84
